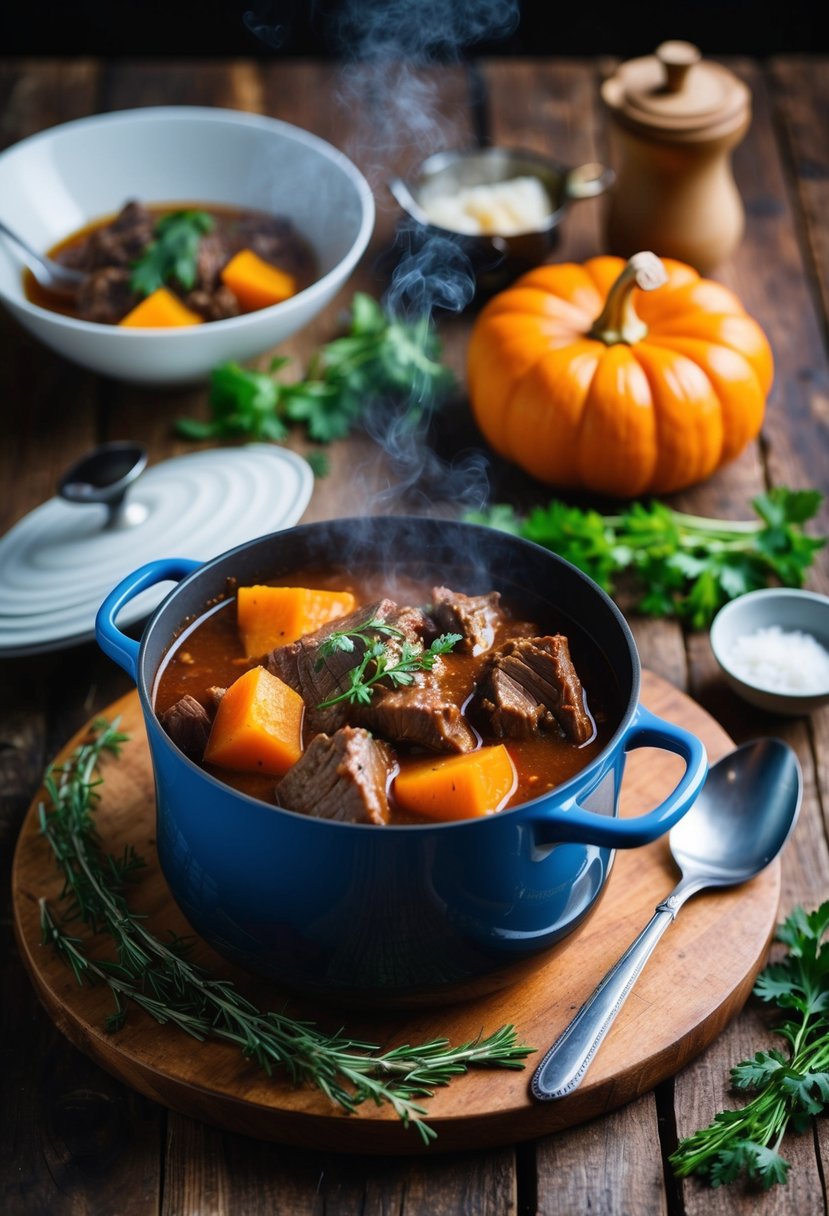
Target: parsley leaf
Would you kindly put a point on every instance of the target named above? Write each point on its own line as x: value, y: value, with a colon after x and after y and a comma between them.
x: 380, y: 360
x: 677, y: 564
x: 789, y: 1089
x: 243, y: 403
x: 171, y: 257
x: 395, y: 663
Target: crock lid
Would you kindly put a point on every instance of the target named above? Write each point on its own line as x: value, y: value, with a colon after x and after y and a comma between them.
x: 674, y: 94
x: 61, y: 560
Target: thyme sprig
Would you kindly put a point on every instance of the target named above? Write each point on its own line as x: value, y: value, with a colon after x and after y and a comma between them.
x: 159, y: 978
x: 379, y: 662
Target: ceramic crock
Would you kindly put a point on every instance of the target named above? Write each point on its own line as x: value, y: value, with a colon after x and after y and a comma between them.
x: 675, y: 120
x: 396, y: 914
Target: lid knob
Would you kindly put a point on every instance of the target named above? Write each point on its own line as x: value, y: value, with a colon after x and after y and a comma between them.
x: 677, y: 58
x: 103, y: 476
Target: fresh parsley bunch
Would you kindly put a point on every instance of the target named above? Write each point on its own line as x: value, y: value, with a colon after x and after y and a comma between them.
x: 677, y: 564
x: 790, y: 1087
x: 380, y: 358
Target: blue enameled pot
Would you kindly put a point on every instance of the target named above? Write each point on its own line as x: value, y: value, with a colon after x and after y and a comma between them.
x: 397, y: 914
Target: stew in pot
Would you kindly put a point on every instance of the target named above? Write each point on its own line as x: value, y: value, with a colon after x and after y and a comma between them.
x: 351, y: 699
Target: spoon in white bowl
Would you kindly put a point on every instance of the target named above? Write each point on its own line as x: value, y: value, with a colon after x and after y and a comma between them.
x: 738, y: 825
x: 49, y: 273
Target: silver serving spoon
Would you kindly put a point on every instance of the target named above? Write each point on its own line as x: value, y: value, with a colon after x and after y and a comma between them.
x: 738, y: 825
x: 49, y: 273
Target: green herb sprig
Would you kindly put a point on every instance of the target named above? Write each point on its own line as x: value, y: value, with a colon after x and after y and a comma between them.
x: 172, y: 255
x: 158, y: 977
x: 790, y: 1088
x: 379, y: 662
x: 380, y: 358
x: 678, y: 565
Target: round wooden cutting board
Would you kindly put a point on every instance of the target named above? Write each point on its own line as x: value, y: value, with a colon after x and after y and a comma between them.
x: 698, y: 979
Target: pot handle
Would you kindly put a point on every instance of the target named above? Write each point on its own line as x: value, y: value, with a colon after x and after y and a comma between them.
x: 586, y: 181
x: 115, y: 643
x: 576, y: 824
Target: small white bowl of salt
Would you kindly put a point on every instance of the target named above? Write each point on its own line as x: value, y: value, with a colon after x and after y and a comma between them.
x: 773, y: 649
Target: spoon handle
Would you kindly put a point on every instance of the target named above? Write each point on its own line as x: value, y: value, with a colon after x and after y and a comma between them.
x: 563, y: 1067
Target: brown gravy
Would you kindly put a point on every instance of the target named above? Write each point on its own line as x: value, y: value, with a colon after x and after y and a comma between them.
x: 209, y: 653
x: 299, y: 258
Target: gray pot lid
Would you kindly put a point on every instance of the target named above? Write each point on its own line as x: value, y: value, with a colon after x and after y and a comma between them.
x: 60, y: 561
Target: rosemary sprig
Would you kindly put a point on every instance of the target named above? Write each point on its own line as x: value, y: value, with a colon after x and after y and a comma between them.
x: 379, y: 662
x: 159, y: 978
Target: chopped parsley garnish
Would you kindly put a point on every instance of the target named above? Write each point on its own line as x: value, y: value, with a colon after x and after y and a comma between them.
x: 172, y: 256
x: 379, y: 661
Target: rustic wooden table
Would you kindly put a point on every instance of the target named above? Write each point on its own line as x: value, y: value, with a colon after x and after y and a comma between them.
x: 74, y: 1140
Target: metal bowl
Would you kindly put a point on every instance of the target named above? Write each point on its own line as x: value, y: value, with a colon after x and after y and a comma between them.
x: 497, y: 258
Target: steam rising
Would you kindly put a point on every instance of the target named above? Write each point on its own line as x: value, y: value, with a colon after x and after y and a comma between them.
x: 432, y: 274
x: 423, y: 31
x: 381, y: 45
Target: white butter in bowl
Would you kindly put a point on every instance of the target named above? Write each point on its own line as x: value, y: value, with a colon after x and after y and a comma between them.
x: 506, y: 208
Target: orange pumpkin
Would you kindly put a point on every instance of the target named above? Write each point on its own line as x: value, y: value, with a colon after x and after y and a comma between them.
x: 620, y: 378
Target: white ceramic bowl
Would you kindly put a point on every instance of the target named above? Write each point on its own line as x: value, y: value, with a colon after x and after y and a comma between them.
x: 61, y: 179
x: 792, y: 611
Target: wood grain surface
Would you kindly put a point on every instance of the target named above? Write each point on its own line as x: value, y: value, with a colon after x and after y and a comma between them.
x: 698, y: 979
x: 78, y: 1142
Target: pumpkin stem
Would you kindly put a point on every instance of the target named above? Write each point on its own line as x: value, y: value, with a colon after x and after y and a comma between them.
x: 618, y: 321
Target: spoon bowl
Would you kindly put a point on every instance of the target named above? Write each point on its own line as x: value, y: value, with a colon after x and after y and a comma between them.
x: 741, y: 820
x: 60, y: 280
x: 743, y: 816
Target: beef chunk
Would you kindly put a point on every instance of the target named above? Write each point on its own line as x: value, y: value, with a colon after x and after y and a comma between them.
x: 188, y: 725
x: 418, y: 714
x: 123, y: 242
x: 474, y: 617
x: 213, y: 254
x: 106, y: 296
x: 120, y: 243
x: 530, y: 686
x: 342, y: 776
x: 214, y: 305
x: 317, y: 678
x: 271, y: 237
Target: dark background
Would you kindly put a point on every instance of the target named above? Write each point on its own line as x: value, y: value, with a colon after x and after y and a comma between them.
x: 339, y: 28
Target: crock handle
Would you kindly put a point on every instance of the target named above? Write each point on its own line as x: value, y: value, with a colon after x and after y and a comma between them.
x: 115, y: 643
x: 574, y: 823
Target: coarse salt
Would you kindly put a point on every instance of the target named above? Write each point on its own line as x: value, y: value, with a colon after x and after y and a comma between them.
x: 787, y: 661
